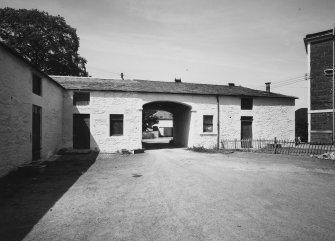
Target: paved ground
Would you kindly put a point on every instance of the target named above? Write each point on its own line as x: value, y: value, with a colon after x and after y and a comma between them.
x: 173, y: 194
x: 158, y: 143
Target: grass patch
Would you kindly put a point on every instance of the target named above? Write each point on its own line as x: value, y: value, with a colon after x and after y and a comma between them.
x: 208, y: 150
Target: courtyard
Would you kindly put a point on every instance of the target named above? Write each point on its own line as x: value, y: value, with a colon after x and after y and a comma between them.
x: 172, y: 194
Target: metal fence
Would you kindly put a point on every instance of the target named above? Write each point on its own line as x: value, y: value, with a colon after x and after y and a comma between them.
x: 276, y: 146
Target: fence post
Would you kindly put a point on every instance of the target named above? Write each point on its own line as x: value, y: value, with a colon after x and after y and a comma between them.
x: 275, y: 146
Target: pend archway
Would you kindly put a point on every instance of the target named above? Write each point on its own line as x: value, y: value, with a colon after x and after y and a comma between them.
x: 181, y: 119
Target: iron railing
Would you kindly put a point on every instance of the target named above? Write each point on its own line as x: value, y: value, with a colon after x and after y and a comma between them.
x: 277, y: 146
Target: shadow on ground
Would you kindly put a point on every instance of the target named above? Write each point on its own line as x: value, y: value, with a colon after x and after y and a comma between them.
x: 25, y: 199
x: 154, y: 146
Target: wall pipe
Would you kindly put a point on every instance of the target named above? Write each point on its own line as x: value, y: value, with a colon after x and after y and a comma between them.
x: 218, y: 124
x: 333, y: 84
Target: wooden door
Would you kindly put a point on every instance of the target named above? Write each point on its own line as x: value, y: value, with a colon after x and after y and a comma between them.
x: 36, y: 132
x: 81, y: 131
x: 246, y: 131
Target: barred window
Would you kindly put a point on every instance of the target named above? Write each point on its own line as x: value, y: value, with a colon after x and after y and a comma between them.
x: 116, y: 125
x: 208, y: 123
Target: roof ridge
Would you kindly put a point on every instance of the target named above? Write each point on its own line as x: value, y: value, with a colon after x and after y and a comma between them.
x: 151, y: 86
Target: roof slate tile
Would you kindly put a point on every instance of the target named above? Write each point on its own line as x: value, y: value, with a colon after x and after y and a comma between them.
x: 146, y: 86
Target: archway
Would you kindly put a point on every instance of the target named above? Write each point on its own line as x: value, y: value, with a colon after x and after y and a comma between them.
x: 181, y: 114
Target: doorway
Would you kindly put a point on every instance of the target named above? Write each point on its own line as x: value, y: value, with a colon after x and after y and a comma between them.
x: 81, y: 131
x: 168, y: 132
x: 36, y: 132
x: 246, y: 131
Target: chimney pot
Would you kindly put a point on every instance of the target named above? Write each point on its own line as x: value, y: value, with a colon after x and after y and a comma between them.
x: 231, y: 84
x: 267, y: 86
x: 177, y: 80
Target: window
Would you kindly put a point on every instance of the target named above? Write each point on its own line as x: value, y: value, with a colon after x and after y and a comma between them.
x: 116, y: 125
x: 37, y: 85
x: 246, y: 103
x: 81, y: 98
x: 328, y: 72
x: 208, y: 123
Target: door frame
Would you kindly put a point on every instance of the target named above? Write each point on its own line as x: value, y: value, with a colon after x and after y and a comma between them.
x: 244, y: 120
x: 75, y: 144
x: 36, y: 134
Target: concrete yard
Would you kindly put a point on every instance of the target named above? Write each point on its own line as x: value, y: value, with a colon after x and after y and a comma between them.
x: 174, y: 194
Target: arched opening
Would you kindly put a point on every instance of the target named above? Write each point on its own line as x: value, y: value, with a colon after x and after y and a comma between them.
x: 158, y: 136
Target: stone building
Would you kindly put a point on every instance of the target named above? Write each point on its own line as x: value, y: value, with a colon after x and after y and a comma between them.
x: 319, y: 47
x: 165, y: 123
x: 40, y: 114
x: 202, y: 114
x: 31, y: 112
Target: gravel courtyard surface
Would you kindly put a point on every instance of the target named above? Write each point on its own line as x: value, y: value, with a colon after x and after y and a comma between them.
x: 175, y: 194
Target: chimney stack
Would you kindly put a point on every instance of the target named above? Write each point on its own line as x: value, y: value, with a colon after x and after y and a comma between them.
x: 177, y: 80
x: 267, y: 84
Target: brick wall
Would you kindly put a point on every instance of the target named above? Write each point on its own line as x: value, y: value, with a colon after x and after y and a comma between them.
x: 321, y: 91
x: 321, y: 85
x: 321, y: 121
x: 321, y: 138
x: 321, y: 127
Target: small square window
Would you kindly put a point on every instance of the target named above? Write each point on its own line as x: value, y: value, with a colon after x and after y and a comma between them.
x: 37, y: 85
x: 328, y: 72
x: 208, y: 123
x: 81, y: 98
x: 116, y: 125
x: 246, y: 103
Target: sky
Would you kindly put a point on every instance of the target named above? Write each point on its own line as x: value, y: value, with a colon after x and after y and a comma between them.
x: 200, y: 41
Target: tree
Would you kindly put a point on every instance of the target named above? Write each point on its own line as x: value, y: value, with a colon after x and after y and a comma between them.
x: 44, y: 40
x: 148, y: 119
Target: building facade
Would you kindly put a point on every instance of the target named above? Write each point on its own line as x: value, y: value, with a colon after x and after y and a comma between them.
x: 202, y: 114
x: 165, y: 123
x: 31, y: 112
x: 40, y: 114
x: 319, y: 47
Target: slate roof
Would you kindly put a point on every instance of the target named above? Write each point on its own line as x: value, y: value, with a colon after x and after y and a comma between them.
x: 146, y: 86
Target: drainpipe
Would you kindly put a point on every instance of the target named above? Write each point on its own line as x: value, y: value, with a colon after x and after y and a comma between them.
x: 218, y: 139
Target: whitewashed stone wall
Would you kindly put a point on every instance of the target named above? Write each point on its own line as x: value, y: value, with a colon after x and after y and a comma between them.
x: 102, y: 104
x: 51, y: 102
x: 272, y: 117
x: 200, y: 105
x: 16, y: 100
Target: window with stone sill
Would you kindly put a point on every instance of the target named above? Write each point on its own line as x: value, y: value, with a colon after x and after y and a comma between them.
x: 207, y: 123
x: 116, y: 125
